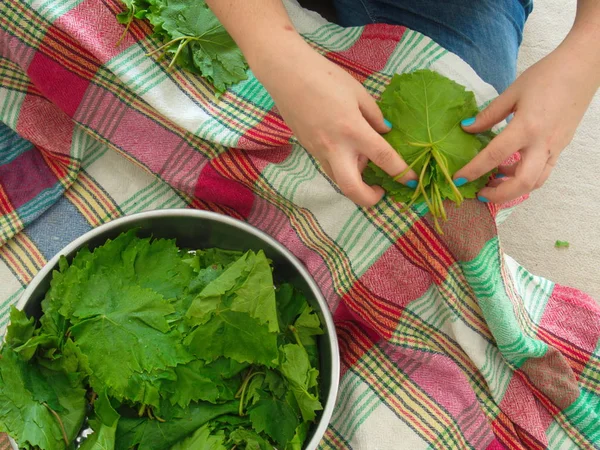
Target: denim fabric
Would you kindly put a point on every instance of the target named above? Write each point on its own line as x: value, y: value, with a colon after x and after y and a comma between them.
x: 485, y: 33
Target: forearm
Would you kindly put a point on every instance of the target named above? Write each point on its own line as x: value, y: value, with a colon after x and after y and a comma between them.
x: 582, y: 44
x: 261, y: 28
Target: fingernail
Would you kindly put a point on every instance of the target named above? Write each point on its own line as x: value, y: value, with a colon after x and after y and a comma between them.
x: 481, y: 198
x: 387, y: 123
x: 412, y: 184
x: 468, y: 122
x: 500, y: 175
x: 460, y: 181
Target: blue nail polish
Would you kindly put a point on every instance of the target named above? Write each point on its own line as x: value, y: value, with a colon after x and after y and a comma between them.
x: 412, y: 184
x: 460, y: 181
x: 387, y: 123
x: 481, y: 198
x: 468, y: 122
x: 500, y: 175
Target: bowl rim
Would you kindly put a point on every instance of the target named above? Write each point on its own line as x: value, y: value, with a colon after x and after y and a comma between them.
x: 202, y: 214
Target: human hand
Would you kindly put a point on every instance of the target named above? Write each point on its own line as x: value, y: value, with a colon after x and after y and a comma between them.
x: 548, y: 101
x: 332, y: 116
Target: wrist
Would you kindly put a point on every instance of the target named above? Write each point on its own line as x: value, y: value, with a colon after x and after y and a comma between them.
x: 581, y: 51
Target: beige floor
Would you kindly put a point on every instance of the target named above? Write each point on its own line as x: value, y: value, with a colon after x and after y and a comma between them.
x: 568, y: 206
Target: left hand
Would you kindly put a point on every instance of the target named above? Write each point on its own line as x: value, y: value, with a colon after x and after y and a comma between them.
x: 548, y: 101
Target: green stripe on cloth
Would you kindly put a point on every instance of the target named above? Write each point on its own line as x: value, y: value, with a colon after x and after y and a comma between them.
x: 484, y: 276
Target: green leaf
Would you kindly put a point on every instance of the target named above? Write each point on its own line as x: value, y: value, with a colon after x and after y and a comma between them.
x: 275, y: 417
x: 202, y: 44
x: 290, y: 303
x: 25, y: 412
x: 128, y: 334
x: 154, y: 435
x: 105, y: 426
x: 198, y: 380
x: 202, y: 439
x: 234, y: 335
x: 249, y: 439
x: 246, y: 286
x: 561, y: 244
x: 297, y: 442
x: 296, y: 368
x: 425, y: 109
x: 308, y: 325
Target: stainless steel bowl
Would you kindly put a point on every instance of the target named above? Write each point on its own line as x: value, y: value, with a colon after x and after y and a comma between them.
x: 197, y: 229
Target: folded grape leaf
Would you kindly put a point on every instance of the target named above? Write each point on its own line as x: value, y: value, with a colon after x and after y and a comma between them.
x: 426, y: 109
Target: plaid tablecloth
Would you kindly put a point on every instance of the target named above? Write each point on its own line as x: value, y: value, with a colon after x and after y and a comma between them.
x: 446, y: 342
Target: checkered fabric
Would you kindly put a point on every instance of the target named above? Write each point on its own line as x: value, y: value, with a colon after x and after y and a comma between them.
x: 446, y: 342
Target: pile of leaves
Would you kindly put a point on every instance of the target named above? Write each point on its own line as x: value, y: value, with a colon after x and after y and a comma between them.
x: 193, y: 37
x: 152, y: 348
x: 426, y: 109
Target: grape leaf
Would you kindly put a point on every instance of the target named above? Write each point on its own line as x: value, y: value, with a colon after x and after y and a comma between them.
x: 104, y: 426
x: 296, y: 368
x: 275, y: 417
x: 425, y: 109
x: 202, y: 439
x: 21, y: 407
x: 154, y: 435
x: 251, y: 440
x: 122, y: 330
x: 234, y: 335
x: 198, y: 41
x: 197, y: 380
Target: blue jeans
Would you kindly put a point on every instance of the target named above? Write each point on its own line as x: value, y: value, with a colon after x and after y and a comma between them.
x: 485, y: 33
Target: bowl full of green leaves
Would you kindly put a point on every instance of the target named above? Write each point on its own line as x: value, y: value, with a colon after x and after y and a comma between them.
x: 170, y: 329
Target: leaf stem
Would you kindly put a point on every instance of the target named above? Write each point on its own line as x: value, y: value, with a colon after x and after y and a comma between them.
x: 296, y: 335
x: 411, y: 165
x: 443, y: 165
x: 244, y: 387
x: 60, y: 423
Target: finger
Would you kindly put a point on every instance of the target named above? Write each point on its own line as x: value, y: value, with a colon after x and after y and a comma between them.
x: 507, y: 170
x: 350, y: 182
x: 527, y: 174
x: 499, y: 149
x: 498, y: 110
x: 374, y: 147
x: 550, y: 165
x: 326, y: 167
x: 362, y: 162
x: 372, y: 113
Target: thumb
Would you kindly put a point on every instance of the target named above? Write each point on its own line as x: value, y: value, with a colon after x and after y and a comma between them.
x: 498, y: 110
x: 372, y: 114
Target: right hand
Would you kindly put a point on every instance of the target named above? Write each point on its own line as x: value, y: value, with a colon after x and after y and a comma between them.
x: 332, y: 115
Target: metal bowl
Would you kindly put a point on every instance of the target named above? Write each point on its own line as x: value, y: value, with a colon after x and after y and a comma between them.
x: 198, y: 229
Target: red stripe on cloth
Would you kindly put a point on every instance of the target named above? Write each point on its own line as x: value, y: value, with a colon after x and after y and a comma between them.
x: 92, y: 24
x: 43, y: 124
x: 354, y: 341
x: 574, y: 318
x: 375, y: 46
x: 5, y: 205
x: 523, y: 409
x: 59, y: 85
x: 213, y: 187
x: 25, y: 177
